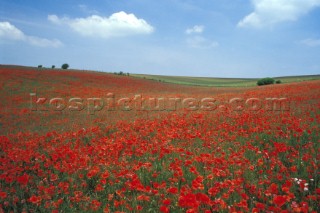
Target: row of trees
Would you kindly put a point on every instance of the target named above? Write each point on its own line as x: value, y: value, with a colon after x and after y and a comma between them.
x: 267, y: 81
x: 121, y: 73
x: 63, y: 66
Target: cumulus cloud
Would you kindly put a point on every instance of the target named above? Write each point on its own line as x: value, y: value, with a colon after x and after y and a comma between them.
x: 54, y: 19
x: 201, y: 42
x: 311, y: 42
x: 10, y: 32
x: 195, y: 29
x: 271, y: 12
x: 117, y: 25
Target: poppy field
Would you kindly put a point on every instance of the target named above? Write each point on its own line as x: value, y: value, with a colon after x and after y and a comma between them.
x: 222, y: 156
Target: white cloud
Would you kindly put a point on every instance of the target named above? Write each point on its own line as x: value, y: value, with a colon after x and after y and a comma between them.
x: 194, y: 39
x: 270, y: 12
x: 54, y: 19
x: 43, y: 42
x: 117, y: 25
x: 10, y: 32
x: 311, y: 42
x: 201, y: 42
x: 195, y: 29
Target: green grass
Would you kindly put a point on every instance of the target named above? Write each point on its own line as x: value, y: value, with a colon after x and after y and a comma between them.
x: 221, y: 82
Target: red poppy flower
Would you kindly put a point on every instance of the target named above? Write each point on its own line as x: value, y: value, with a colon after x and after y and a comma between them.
x: 279, y: 200
x: 173, y: 190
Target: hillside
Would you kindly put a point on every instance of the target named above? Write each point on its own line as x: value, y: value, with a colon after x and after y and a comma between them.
x: 221, y: 82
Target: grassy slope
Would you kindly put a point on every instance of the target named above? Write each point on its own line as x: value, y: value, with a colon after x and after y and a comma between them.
x: 221, y: 82
x: 199, y: 81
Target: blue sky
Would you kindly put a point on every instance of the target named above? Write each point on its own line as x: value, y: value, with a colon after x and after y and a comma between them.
x: 218, y: 38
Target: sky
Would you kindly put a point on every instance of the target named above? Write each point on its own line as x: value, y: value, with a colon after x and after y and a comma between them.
x: 215, y: 38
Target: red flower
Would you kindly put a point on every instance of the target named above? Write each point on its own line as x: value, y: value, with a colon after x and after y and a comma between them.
x: 260, y: 205
x: 54, y: 177
x: 273, y: 188
x: 279, y: 200
x: 24, y: 179
x: 95, y: 204
x: 173, y: 190
x: 3, y: 195
x: 98, y: 188
x: 188, y: 200
x: 166, y: 202
x: 203, y: 198
x: 105, y: 175
x: 197, y: 183
x: 35, y: 199
x: 164, y: 209
x: 143, y: 198
x: 94, y: 171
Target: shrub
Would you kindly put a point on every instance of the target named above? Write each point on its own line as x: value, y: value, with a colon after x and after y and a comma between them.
x: 65, y: 66
x: 278, y: 82
x: 53, y: 66
x: 39, y: 66
x: 265, y: 81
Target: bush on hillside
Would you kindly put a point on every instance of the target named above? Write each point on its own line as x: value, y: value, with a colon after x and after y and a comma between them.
x: 65, y: 66
x: 265, y: 81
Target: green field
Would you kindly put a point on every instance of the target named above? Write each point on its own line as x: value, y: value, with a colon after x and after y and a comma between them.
x: 221, y: 82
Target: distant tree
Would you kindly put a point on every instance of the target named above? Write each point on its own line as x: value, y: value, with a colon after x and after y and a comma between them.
x: 65, y: 66
x: 128, y: 74
x: 40, y: 66
x: 278, y: 82
x: 120, y: 73
x: 265, y: 81
x: 53, y: 66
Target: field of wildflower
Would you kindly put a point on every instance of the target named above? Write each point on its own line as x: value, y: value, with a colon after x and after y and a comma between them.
x: 225, y: 157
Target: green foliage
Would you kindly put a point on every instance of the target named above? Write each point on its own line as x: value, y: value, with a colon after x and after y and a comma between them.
x: 265, y: 81
x: 278, y: 82
x: 121, y: 73
x: 65, y: 66
x: 40, y: 66
x: 53, y: 66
